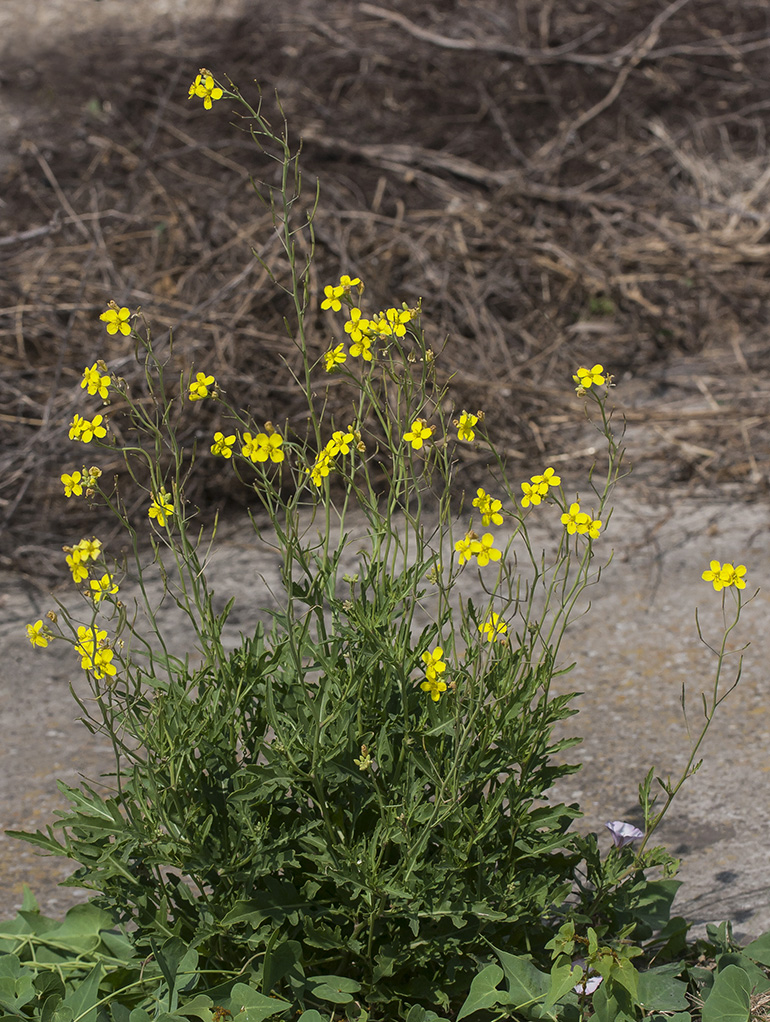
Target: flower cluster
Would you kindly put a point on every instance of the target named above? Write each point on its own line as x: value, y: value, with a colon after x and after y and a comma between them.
x: 577, y: 521
x: 334, y: 292
x: 78, y: 557
x: 96, y: 380
x: 263, y: 447
x: 434, y: 667
x: 722, y: 576
x: 362, y: 330
x: 339, y: 443
x: 538, y: 487
x: 85, y: 430
x: 95, y: 652
x: 482, y: 549
x: 205, y: 88
x: 488, y: 507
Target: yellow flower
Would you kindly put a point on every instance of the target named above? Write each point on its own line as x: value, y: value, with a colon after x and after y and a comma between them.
x: 723, y: 575
x: 223, y: 445
x: 737, y: 574
x: 434, y: 663
x: 362, y: 348
x: 340, y: 442
x: 88, y: 549
x: 332, y: 299
x: 76, y: 426
x: 347, y: 284
x: 545, y: 480
x: 105, y: 586
x: 489, y: 508
x: 205, y: 88
x: 321, y: 468
x: 592, y: 527
x: 91, y: 429
x: 335, y: 357
x: 72, y: 484
x: 391, y: 322
x: 357, y: 328
x: 435, y: 686
x: 465, y: 425
x: 77, y: 567
x: 532, y: 494
x: 95, y: 654
x: 419, y: 433
x: 199, y: 387
x: 117, y: 319
x: 494, y: 628
x: 263, y: 447
x: 486, y: 551
x: 590, y: 377
x: 95, y: 381
x: 467, y: 547
x: 576, y: 520
x: 37, y: 634
x: 161, y: 507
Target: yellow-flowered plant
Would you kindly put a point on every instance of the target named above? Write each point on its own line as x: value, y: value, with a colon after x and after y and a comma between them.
x: 309, y: 786
x: 95, y: 652
x: 485, y: 550
x: 434, y: 686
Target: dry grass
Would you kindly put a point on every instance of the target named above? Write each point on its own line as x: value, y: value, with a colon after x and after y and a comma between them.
x: 561, y: 184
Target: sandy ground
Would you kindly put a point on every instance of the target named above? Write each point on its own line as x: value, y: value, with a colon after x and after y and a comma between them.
x: 633, y: 651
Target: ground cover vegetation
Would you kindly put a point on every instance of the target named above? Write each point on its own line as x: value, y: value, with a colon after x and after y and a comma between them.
x: 346, y: 815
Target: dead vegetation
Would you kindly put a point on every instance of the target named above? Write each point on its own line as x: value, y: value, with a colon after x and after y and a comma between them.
x: 561, y: 183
